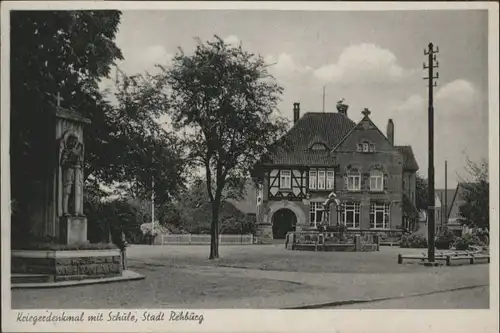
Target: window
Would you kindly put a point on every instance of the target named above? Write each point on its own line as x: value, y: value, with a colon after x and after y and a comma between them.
x: 285, y: 179
x: 321, y: 180
x: 313, y: 179
x: 350, y: 214
x: 316, y: 214
x: 354, y: 180
x: 376, y: 180
x: 365, y: 147
x: 330, y: 180
x: 379, y: 215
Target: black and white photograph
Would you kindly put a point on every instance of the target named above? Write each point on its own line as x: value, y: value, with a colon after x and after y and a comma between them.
x: 161, y: 165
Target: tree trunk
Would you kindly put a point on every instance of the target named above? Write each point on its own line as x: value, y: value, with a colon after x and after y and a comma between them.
x: 214, y: 231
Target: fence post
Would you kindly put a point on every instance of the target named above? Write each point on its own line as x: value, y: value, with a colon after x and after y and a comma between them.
x: 190, y: 239
x: 400, y: 259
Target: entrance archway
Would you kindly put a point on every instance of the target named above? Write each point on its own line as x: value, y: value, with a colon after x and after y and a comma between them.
x: 284, y: 220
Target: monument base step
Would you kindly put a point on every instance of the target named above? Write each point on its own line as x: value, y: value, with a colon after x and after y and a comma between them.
x: 127, y: 275
x: 31, y: 278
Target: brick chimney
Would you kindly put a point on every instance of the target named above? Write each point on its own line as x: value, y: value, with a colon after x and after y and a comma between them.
x: 341, y: 107
x: 296, y: 112
x: 390, y: 131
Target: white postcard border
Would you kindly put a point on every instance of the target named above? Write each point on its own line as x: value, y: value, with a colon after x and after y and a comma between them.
x: 267, y: 320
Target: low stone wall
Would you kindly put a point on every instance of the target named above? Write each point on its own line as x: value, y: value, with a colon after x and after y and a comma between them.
x: 68, y: 265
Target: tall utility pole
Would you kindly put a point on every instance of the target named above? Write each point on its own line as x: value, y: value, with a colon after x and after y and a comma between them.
x: 431, y: 209
x: 443, y: 222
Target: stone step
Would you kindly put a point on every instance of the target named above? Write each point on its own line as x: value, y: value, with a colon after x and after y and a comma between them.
x: 30, y: 278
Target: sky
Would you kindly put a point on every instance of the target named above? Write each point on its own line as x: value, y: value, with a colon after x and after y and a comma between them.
x: 372, y: 59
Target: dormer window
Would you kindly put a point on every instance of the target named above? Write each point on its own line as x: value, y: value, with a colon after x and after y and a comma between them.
x: 318, y: 146
x: 366, y: 147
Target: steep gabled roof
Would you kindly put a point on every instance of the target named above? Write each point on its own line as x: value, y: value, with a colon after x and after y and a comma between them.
x: 366, y: 119
x: 292, y: 149
x: 409, y: 161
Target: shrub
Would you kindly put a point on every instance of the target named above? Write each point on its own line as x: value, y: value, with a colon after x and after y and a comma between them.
x: 445, y: 240
x: 415, y: 241
x: 483, y: 235
x: 467, y: 241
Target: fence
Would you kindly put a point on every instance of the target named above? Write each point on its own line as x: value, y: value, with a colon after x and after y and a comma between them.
x: 192, y: 239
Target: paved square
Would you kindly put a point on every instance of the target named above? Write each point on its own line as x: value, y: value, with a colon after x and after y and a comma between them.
x: 261, y: 276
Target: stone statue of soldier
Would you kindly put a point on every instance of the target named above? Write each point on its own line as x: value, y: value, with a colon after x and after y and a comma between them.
x: 71, y: 165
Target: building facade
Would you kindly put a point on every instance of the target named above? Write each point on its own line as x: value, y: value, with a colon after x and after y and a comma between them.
x: 328, y: 152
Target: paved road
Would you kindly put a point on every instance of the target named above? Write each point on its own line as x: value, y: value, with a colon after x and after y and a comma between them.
x: 477, y: 298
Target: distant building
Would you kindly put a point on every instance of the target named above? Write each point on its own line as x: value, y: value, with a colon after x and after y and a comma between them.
x: 328, y: 152
x: 247, y: 204
x: 454, y: 199
x: 438, y: 215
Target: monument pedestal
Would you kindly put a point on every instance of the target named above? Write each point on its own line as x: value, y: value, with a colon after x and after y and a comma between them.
x: 73, y: 229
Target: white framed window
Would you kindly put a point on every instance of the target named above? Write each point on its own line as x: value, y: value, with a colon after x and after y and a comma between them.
x: 330, y: 180
x: 350, y: 214
x: 372, y: 148
x: 366, y: 147
x: 313, y: 178
x: 379, y: 215
x: 285, y: 179
x: 376, y: 180
x: 321, y: 180
x: 353, y: 180
x: 316, y: 212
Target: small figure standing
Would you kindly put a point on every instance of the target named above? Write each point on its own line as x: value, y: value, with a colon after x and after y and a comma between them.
x: 71, y: 164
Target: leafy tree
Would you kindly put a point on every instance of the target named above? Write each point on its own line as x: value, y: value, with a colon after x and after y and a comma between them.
x: 421, y: 193
x: 475, y: 211
x: 226, y: 96
x: 132, y: 147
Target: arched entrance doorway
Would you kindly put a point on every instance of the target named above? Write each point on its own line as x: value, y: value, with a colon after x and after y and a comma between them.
x: 284, y: 220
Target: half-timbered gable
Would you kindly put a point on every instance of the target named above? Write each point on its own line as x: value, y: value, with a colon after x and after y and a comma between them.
x: 290, y: 184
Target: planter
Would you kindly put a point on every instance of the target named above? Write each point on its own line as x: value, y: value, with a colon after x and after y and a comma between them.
x: 68, y: 265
